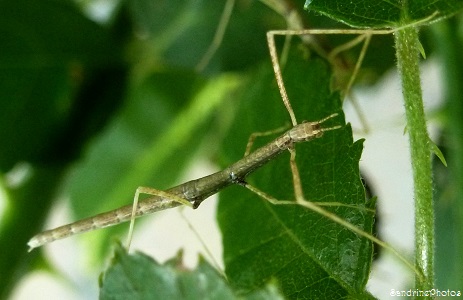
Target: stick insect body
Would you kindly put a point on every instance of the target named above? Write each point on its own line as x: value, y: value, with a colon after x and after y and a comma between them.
x: 190, y: 193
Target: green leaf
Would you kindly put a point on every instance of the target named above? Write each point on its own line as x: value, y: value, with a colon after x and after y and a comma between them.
x: 384, y: 14
x: 138, y: 276
x: 310, y: 256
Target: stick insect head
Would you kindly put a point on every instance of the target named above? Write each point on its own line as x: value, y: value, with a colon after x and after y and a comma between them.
x: 307, y: 131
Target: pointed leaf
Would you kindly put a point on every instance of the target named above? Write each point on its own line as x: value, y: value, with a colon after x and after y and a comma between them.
x: 138, y: 276
x: 310, y: 255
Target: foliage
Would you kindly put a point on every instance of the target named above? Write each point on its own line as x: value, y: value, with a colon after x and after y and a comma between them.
x: 93, y: 109
x: 384, y: 14
x: 127, y: 276
x: 262, y: 240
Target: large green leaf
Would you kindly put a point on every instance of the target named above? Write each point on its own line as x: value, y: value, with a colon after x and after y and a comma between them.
x: 138, y: 276
x: 389, y: 14
x: 310, y: 255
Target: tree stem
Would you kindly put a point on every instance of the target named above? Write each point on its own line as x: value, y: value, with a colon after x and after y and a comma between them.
x: 407, y: 43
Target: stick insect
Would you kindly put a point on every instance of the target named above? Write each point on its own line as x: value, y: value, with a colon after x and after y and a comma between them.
x: 192, y: 193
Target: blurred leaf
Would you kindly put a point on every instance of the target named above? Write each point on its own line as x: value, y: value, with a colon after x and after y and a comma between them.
x: 40, y: 69
x: 26, y: 206
x: 140, y: 277
x: 384, y: 14
x: 158, y: 129
x: 310, y: 255
x: 170, y: 28
x: 449, y: 190
x: 49, y: 55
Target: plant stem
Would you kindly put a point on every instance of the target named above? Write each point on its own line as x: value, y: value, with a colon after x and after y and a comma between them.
x: 406, y: 41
